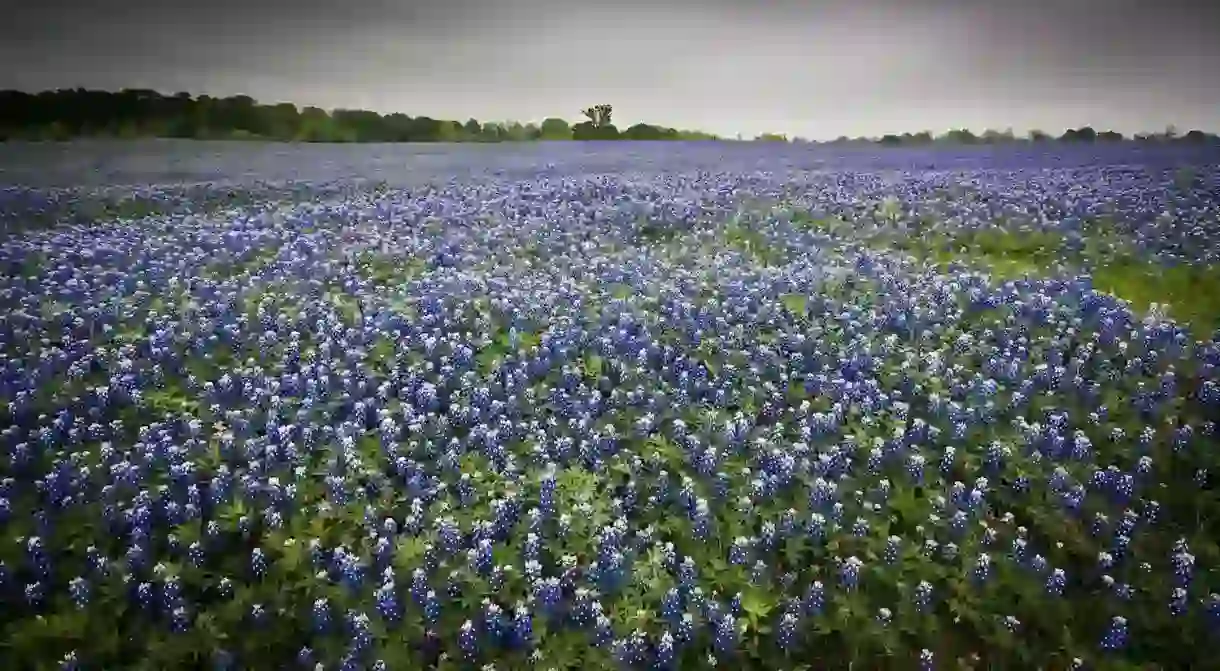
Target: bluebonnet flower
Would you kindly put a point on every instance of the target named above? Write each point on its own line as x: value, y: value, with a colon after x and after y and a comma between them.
x: 1116, y: 636
x: 786, y: 631
x: 1038, y: 563
x: 671, y: 604
x: 738, y: 551
x: 1056, y: 582
x: 144, y: 593
x: 180, y: 620
x: 388, y: 605
x: 982, y: 568
x: 892, y: 548
x: 666, y: 650
x: 725, y: 636
x: 258, y: 614
x: 1212, y: 607
x: 360, y: 635
x: 195, y: 554
x: 1183, y: 565
x: 258, y: 562
x: 523, y: 627
x: 79, y: 590
x: 432, y: 607
x: 320, y: 615
x: 958, y: 523
x: 923, y: 595
x: 603, y: 632
x: 1178, y: 601
x: 493, y: 621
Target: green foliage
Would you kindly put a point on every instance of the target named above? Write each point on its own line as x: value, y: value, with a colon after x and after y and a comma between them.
x: 751, y: 243
x: 587, y: 130
x: 795, y: 303
x: 1086, y: 134
x: 1183, y: 291
x: 133, y: 113
x: 643, y: 131
x: 556, y: 129
x: 599, y: 115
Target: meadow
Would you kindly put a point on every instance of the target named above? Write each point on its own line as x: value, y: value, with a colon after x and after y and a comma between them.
x: 673, y: 406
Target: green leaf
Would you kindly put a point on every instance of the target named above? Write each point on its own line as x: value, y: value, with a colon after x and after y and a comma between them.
x: 795, y: 303
x: 621, y: 291
x: 409, y: 550
x: 593, y: 366
x: 757, y: 604
x: 487, y: 357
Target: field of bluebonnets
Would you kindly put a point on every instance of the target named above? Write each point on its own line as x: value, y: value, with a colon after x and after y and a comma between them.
x: 674, y: 407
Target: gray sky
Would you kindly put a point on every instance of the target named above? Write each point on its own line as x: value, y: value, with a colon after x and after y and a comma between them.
x: 815, y: 68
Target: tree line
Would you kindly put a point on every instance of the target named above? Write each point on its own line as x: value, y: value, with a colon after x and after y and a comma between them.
x: 134, y: 113
x: 962, y: 136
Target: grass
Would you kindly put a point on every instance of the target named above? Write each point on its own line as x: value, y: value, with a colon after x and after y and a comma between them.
x: 753, y: 244
x: 1005, y: 255
x: 651, y: 231
x: 254, y: 262
x: 1115, y: 267
x: 1190, y: 291
x: 392, y: 271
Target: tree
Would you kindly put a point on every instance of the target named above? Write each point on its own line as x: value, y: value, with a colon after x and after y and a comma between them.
x: 515, y: 132
x: 643, y: 131
x: 283, y: 120
x: 449, y: 131
x: 315, y: 126
x: 599, y: 115
x: 425, y: 129
x: 991, y: 136
x: 493, y: 131
x: 556, y: 129
x: 134, y: 112
x: 1195, y: 137
x: 960, y: 136
x: 398, y: 127
x: 1086, y: 134
x: 587, y: 130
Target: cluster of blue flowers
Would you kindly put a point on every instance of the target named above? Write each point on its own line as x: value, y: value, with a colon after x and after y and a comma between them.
x: 647, y: 411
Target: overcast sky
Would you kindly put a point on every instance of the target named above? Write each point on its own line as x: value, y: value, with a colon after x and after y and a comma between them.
x: 814, y: 68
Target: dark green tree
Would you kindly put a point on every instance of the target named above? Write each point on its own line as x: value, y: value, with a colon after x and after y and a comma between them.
x: 960, y: 136
x: 555, y: 129
x: 643, y: 131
